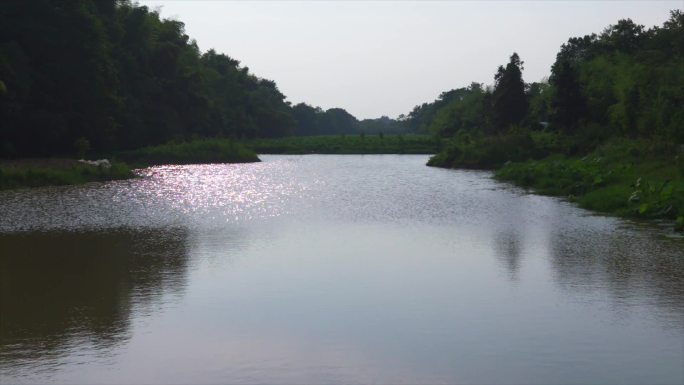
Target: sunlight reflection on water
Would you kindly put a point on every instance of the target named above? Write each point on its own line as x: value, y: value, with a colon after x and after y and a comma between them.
x: 192, y: 195
x: 330, y: 269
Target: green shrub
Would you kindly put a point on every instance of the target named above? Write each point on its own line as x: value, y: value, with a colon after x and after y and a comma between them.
x: 627, y: 178
x: 196, y: 151
x: 19, y: 176
x: 368, y: 144
x: 470, y: 151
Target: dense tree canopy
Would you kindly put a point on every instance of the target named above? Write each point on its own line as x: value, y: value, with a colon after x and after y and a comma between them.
x: 627, y: 81
x: 467, y: 110
x: 336, y: 121
x: 113, y: 75
x: 117, y: 76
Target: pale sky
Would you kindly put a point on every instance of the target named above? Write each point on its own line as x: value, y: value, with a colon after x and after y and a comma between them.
x: 383, y: 58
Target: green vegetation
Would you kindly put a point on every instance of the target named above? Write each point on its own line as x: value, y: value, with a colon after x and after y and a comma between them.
x: 336, y: 121
x: 626, y: 82
x: 84, y: 77
x: 112, y: 75
x: 357, y: 144
x: 606, y: 129
x: 88, y: 77
x: 54, y: 171
x: 196, y: 151
x: 630, y: 178
x: 34, y: 173
x: 470, y: 150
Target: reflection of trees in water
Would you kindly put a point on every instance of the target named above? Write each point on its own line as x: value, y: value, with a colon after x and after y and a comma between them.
x: 509, y: 234
x: 508, y: 250
x: 57, y: 289
x: 631, y: 265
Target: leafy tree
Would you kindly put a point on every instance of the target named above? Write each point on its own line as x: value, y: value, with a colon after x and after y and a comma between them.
x: 308, y: 119
x: 117, y: 75
x: 383, y: 125
x: 539, y: 100
x: 421, y: 117
x: 339, y: 121
x: 627, y: 81
x: 468, y: 110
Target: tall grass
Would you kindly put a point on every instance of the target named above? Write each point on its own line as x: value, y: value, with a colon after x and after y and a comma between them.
x: 196, y: 151
x: 348, y: 144
x: 27, y: 175
x: 489, y: 152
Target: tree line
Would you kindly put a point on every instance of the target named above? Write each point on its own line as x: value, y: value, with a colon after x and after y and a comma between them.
x: 336, y: 121
x: 109, y: 75
x: 626, y: 81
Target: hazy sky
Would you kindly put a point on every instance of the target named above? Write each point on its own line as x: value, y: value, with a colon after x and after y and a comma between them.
x: 383, y: 58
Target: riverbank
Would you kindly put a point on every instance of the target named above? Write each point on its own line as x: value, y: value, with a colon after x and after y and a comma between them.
x: 193, y: 152
x: 625, y: 178
x: 26, y: 173
x: 348, y: 144
x: 42, y: 172
x: 56, y: 172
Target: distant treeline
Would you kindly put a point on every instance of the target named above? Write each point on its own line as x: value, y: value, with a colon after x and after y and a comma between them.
x: 94, y: 76
x: 315, y: 121
x: 628, y: 82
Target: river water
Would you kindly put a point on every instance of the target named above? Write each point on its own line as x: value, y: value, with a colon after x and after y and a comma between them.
x: 331, y: 269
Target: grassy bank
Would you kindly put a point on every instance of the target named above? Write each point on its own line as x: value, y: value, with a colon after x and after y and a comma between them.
x: 196, y: 151
x: 626, y: 178
x: 55, y: 172
x: 349, y: 144
x: 491, y: 152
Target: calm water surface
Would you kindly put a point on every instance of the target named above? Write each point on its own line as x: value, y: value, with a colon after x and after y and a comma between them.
x: 330, y: 269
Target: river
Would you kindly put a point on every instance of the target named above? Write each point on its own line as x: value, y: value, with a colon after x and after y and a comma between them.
x: 331, y: 269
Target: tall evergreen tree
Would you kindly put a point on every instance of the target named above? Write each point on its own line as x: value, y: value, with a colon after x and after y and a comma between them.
x: 509, y: 104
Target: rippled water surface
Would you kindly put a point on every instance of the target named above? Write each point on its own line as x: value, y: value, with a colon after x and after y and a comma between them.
x: 330, y: 269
